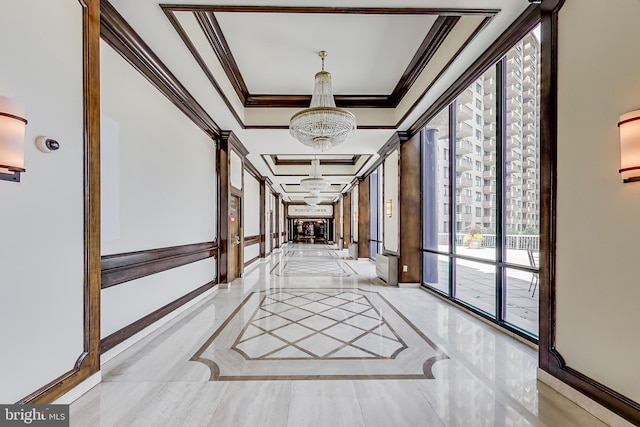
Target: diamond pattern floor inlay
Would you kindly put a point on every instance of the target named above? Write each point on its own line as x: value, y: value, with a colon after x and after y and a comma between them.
x: 307, y: 267
x: 317, y: 333
x: 324, y: 339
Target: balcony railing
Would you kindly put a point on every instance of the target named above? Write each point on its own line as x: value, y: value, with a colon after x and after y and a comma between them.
x: 464, y: 217
x: 489, y: 189
x: 490, y: 129
x: 463, y: 182
x: 489, y: 204
x: 464, y: 146
x: 466, y: 96
x: 513, y: 241
x: 513, y: 141
x: 530, y: 153
x: 490, y: 174
x: 464, y: 112
x: 529, y: 106
x: 463, y: 164
x: 490, y: 144
x: 529, y: 129
x: 529, y: 140
x: 463, y: 130
x: 514, y: 180
x: 513, y: 129
x: 464, y: 199
x: 490, y: 159
x: 514, y: 168
x: 513, y: 104
x: 513, y: 155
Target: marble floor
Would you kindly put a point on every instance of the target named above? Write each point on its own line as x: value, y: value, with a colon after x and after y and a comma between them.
x: 332, y: 347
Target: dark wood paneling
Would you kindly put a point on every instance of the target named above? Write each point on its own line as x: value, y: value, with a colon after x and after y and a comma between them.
x: 364, y: 206
x: 123, y: 39
x: 393, y: 143
x: 263, y: 235
x: 251, y: 240
x: 224, y: 193
x: 88, y: 362
x: 550, y: 359
x: 251, y: 261
x: 252, y: 169
x: 121, y: 268
x: 520, y: 27
x: 346, y: 219
x: 119, y: 336
x: 409, y: 207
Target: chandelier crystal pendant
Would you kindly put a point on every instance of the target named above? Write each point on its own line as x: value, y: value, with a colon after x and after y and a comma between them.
x: 322, y: 125
x: 315, y: 181
x: 313, y: 198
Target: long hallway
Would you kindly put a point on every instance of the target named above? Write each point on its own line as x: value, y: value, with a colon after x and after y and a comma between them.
x: 311, y: 338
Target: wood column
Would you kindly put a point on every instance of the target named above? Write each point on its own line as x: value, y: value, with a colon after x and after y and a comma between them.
x: 222, y: 161
x: 346, y: 219
x: 410, y: 230
x: 263, y: 195
x: 364, y: 205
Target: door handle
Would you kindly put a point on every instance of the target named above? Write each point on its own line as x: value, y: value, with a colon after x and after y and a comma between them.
x: 237, y: 239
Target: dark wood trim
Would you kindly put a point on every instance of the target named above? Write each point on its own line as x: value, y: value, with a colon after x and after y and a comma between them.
x: 205, y: 69
x: 517, y: 30
x: 128, y: 331
x: 118, y: 34
x: 211, y: 28
x: 276, y: 228
x: 251, y: 240
x: 88, y: 362
x: 323, y: 162
x: 124, y: 267
x: 392, y: 144
x: 410, y: 208
x: 205, y: 15
x: 334, y: 10
x: 364, y: 206
x: 263, y: 213
x: 429, y: 46
x: 361, y: 127
x: 251, y: 261
x: 265, y: 156
x: 252, y: 169
x: 235, y: 143
x: 550, y: 359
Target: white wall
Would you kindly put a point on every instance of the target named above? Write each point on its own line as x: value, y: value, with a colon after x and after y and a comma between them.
x: 251, y: 206
x: 250, y: 252
x: 392, y: 224
x: 235, y: 170
x: 41, y: 218
x: 165, y: 195
x: 597, y: 252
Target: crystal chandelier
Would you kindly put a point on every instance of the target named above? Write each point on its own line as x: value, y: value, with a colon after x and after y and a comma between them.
x: 315, y: 181
x: 313, y: 198
x: 322, y: 125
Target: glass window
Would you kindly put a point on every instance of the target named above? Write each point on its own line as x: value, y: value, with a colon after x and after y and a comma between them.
x: 487, y: 252
x: 435, y: 186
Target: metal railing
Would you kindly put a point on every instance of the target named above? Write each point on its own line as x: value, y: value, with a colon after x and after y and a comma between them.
x: 513, y: 241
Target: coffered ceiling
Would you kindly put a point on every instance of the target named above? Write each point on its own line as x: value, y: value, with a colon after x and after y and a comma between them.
x: 251, y: 67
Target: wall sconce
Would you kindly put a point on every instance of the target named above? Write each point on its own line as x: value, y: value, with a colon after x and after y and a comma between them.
x: 630, y: 146
x: 12, y: 129
x: 389, y: 207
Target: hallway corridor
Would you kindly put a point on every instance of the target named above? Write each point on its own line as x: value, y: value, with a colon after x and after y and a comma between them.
x: 311, y: 338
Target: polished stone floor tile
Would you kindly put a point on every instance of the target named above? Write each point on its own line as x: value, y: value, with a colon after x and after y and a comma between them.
x: 324, y: 345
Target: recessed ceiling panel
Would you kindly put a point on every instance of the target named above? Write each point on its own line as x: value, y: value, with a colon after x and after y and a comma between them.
x: 277, y: 53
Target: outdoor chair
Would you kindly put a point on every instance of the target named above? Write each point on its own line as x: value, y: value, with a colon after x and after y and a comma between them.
x: 534, y: 277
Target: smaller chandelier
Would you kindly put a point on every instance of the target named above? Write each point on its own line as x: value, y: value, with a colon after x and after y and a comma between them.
x: 315, y: 182
x: 322, y: 125
x: 313, y: 198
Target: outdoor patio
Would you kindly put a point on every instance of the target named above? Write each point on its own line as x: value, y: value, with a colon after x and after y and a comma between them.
x: 475, y: 284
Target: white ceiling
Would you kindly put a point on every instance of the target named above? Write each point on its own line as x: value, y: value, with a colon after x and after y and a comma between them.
x: 276, y: 53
